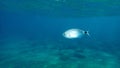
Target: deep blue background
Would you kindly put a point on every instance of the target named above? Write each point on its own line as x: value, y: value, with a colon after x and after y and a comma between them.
x: 105, y: 28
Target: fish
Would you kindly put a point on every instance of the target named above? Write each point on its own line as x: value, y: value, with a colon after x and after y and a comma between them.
x: 75, y: 33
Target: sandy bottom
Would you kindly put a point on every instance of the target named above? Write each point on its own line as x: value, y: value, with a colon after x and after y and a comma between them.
x: 49, y: 54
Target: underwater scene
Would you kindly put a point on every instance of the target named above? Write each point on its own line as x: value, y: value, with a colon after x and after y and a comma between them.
x: 59, y: 34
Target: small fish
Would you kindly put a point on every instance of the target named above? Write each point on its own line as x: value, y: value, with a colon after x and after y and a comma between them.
x: 75, y: 33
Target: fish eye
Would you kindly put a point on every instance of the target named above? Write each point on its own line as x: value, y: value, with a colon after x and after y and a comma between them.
x: 85, y: 32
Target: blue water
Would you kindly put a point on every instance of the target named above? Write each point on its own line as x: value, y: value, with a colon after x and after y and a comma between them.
x: 28, y: 40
